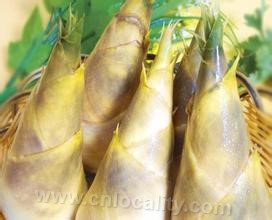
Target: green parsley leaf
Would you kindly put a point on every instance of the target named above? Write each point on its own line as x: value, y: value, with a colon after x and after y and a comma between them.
x: 256, y: 57
x: 255, y: 20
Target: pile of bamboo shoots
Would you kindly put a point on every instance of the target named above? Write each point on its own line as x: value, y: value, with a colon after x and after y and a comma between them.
x: 162, y: 145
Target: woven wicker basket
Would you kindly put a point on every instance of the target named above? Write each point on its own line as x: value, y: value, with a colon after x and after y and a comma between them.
x: 260, y: 130
x: 259, y: 123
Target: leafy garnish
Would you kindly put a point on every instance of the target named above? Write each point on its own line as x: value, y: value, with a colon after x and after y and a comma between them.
x: 256, y: 59
x: 255, y: 20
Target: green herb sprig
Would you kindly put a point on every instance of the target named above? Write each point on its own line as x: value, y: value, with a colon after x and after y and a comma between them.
x: 256, y: 59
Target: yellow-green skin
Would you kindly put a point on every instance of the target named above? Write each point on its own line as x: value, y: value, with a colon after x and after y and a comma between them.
x: 46, y: 155
x: 136, y: 163
x: 216, y: 170
x: 112, y: 76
